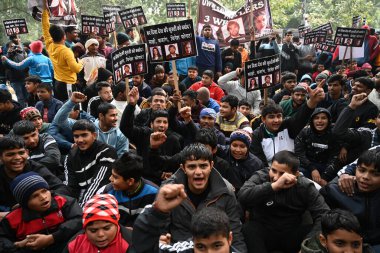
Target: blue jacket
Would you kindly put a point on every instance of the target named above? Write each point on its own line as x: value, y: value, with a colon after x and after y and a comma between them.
x: 53, y: 106
x: 209, y: 55
x: 114, y: 137
x: 38, y: 65
x: 213, y: 105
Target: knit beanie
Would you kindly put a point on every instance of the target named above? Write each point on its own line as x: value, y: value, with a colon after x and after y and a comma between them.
x: 103, y: 74
x: 24, y: 185
x: 321, y: 76
x: 207, y: 112
x: 122, y: 38
x: 241, y: 135
x: 29, y: 113
x: 90, y: 42
x: 36, y: 46
x: 101, y: 207
x: 366, y: 66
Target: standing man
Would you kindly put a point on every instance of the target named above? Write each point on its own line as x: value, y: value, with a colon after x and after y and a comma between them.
x: 289, y: 54
x: 209, y: 56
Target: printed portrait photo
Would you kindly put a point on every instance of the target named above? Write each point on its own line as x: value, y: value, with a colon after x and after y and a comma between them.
x: 171, y: 51
x: 156, y: 53
x: 139, y: 67
x: 266, y: 81
x: 188, y: 48
x: 234, y: 29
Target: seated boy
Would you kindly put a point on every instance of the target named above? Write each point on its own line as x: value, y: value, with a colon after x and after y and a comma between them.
x: 364, y: 202
x: 210, y: 228
x: 340, y: 233
x: 48, y: 106
x: 42, y: 147
x: 43, y: 222
x: 277, y: 198
x: 102, y: 232
x: 34, y: 116
x: 31, y: 83
x: 246, y: 109
x: 88, y: 165
x: 129, y: 188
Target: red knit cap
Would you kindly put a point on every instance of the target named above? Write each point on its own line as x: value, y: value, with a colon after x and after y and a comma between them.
x: 29, y: 113
x: 36, y: 46
x: 101, y: 207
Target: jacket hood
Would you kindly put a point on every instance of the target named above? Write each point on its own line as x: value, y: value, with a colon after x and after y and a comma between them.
x: 318, y: 111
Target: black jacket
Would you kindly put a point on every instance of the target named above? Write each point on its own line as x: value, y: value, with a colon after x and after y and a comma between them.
x: 7, y: 201
x: 289, y: 57
x: 7, y: 119
x: 283, y: 209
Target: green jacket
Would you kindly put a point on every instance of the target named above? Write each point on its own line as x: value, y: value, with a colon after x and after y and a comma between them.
x: 312, y: 245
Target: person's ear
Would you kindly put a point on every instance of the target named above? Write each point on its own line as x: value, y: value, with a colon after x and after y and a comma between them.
x: 323, y: 240
x: 182, y: 167
x: 230, y: 237
x: 95, y: 135
x: 212, y: 164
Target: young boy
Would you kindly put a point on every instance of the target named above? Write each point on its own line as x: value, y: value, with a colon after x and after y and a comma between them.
x: 102, y: 232
x: 364, y: 203
x: 132, y: 191
x: 246, y: 109
x: 31, y: 83
x: 277, y: 198
x: 88, y: 165
x: 43, y: 222
x: 210, y: 227
x: 340, y: 233
x: 33, y: 115
x: 48, y: 106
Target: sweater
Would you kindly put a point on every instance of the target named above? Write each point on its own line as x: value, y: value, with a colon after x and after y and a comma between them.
x: 209, y: 55
x: 53, y: 105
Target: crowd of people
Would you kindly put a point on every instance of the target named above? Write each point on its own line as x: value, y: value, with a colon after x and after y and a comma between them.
x: 90, y: 166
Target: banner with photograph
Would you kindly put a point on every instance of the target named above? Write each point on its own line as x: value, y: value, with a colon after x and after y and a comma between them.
x: 262, y: 73
x: 176, y: 10
x: 327, y: 46
x: 15, y: 26
x: 62, y: 12
x: 326, y: 27
x: 351, y: 37
x: 302, y: 30
x: 315, y: 37
x: 132, y: 17
x: 94, y: 25
x: 114, y: 9
x: 109, y: 21
x: 171, y: 41
x: 228, y: 25
x: 129, y: 61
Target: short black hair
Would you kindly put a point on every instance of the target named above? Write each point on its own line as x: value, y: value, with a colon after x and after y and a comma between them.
x: 288, y: 158
x: 288, y: 76
x: 11, y: 142
x: 23, y: 127
x: 336, y: 78
x: 158, y: 92
x: 128, y: 30
x: 207, y: 136
x: 368, y: 82
x: 339, y: 219
x: 5, y: 96
x: 210, y: 221
x: 33, y: 79
x: 159, y: 113
x: 232, y: 100
x: 193, y: 68
x: 234, y: 42
x: 103, y: 108
x: 57, y: 33
x: 129, y: 165
x: 120, y: 87
x: 370, y: 157
x: 100, y: 85
x: 83, y: 125
x: 244, y: 102
x: 190, y: 93
x: 45, y: 86
x: 208, y: 73
x: 70, y: 29
x: 196, y: 151
x: 270, y: 108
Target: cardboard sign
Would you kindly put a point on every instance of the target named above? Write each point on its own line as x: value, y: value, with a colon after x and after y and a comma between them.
x: 302, y: 30
x: 109, y: 21
x: 62, y: 12
x: 357, y: 52
x: 171, y: 41
x: 326, y: 27
x: 132, y: 17
x: 262, y: 73
x: 356, y: 21
x: 351, y: 37
x: 129, y: 61
x: 315, y: 37
x: 327, y: 46
x: 94, y: 25
x: 114, y: 9
x: 15, y: 26
x: 176, y: 10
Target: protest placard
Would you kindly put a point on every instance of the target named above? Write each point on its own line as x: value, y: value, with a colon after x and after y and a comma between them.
x: 93, y: 24
x: 175, y: 10
x: 129, y: 61
x: 171, y: 41
x: 262, y: 73
x: 350, y: 52
x: 62, y: 12
x: 326, y: 27
x: 351, y: 37
x: 327, y: 46
x: 114, y: 9
x: 315, y: 37
x: 132, y: 17
x: 356, y: 21
x: 109, y: 21
x: 302, y: 30
x: 228, y: 25
x: 15, y: 26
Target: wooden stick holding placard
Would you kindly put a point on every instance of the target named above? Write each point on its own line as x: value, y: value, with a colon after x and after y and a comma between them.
x: 115, y: 39
x: 265, y: 96
x: 344, y: 56
x: 127, y: 88
x: 175, y: 76
x: 189, y: 10
x: 350, y: 54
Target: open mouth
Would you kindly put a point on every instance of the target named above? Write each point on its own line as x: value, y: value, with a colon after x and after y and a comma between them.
x: 45, y: 204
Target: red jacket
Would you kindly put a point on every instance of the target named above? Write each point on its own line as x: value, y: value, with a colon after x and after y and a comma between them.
x: 215, y: 91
